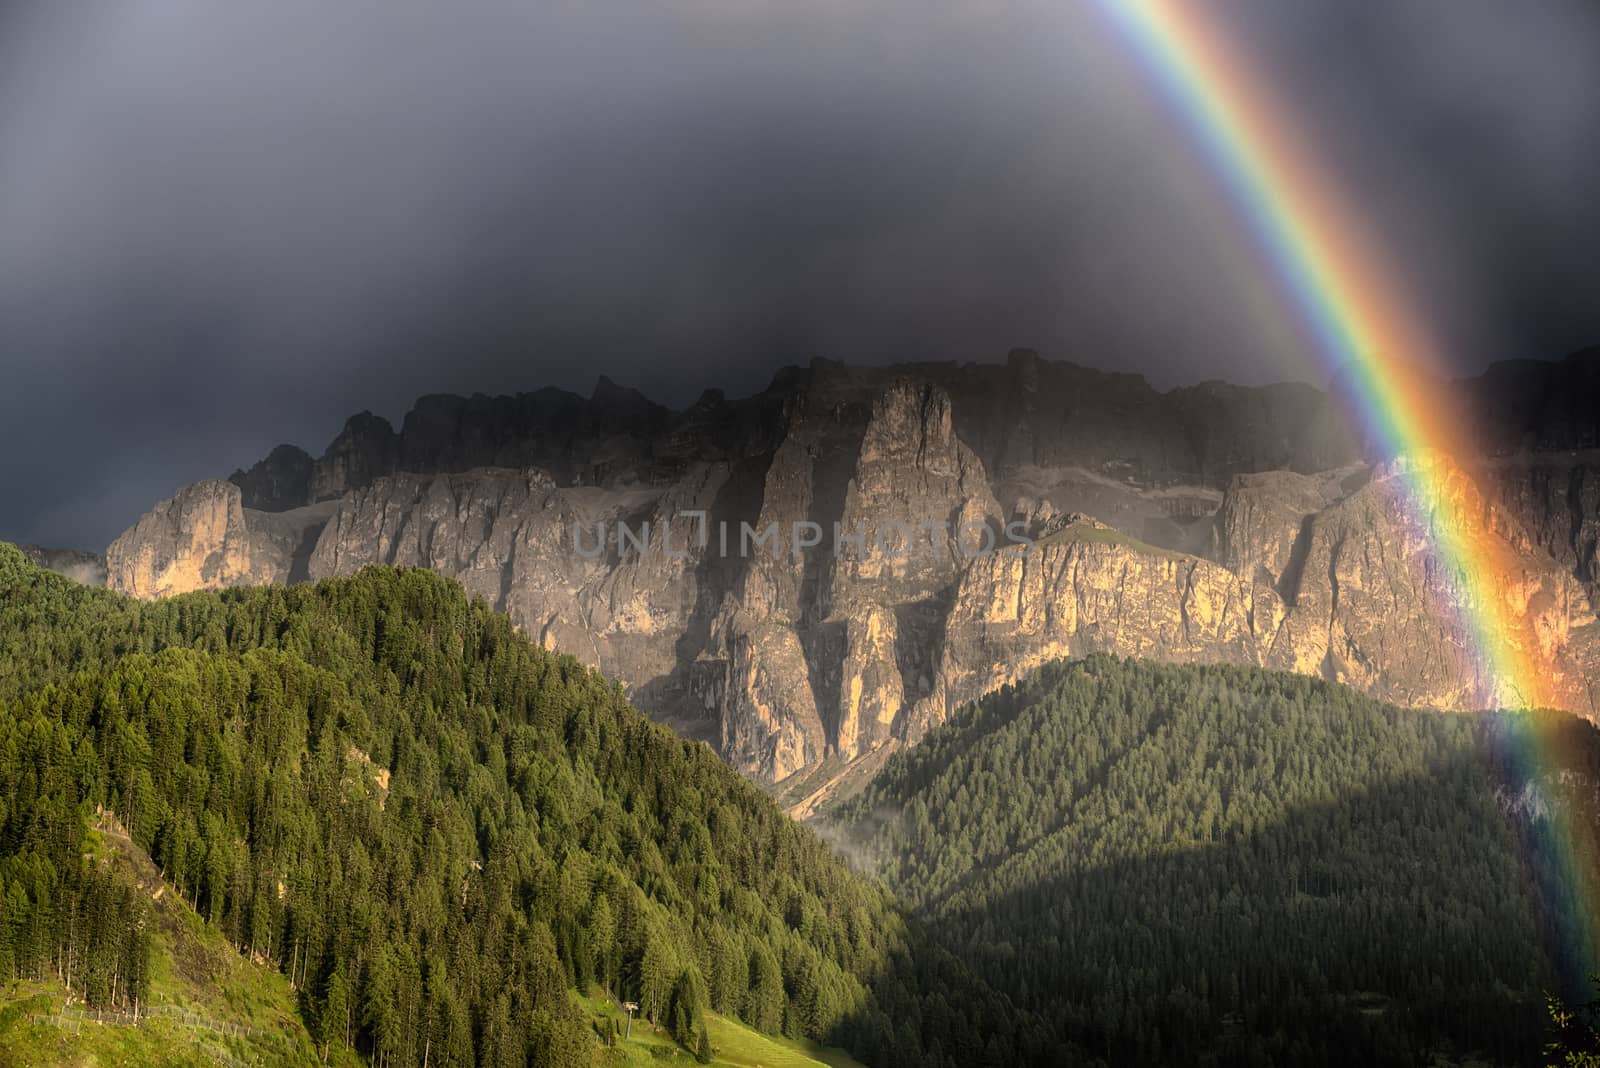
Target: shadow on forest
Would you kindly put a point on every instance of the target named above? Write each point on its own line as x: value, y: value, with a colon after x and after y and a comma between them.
x: 1408, y: 919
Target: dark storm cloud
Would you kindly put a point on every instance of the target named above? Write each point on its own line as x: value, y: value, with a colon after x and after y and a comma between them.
x: 1471, y: 131
x: 227, y: 225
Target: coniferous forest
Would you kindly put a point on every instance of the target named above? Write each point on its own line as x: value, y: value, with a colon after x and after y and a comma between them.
x: 436, y: 829
x: 1227, y: 865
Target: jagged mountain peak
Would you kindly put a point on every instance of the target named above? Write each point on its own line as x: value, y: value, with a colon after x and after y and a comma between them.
x: 796, y: 583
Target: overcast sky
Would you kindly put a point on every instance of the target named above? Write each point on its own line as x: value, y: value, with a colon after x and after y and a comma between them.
x: 223, y: 226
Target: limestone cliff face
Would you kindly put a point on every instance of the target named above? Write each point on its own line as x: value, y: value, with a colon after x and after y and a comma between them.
x: 197, y: 540
x: 912, y: 470
x: 278, y: 483
x: 827, y: 569
x: 1261, y: 518
x: 204, y: 539
x: 1022, y: 419
x: 878, y: 505
x: 1557, y: 498
x: 552, y: 557
x: 1081, y: 589
x: 765, y: 638
x: 1376, y: 606
x: 1259, y: 534
x: 466, y: 526
x: 1353, y: 590
x: 366, y: 449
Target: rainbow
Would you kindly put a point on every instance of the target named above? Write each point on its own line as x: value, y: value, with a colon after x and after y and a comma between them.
x: 1352, y: 311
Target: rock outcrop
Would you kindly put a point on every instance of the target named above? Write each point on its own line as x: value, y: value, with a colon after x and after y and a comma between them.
x: 553, y: 557
x: 280, y: 482
x: 203, y: 538
x: 1080, y: 589
x: 1376, y: 605
x: 1557, y: 498
x: 827, y: 569
x: 197, y: 540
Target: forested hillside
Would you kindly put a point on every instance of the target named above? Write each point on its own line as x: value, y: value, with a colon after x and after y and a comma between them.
x: 434, y: 829
x: 1216, y: 864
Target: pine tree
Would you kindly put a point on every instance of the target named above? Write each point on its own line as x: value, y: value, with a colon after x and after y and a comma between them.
x: 656, y: 971
x: 766, y: 999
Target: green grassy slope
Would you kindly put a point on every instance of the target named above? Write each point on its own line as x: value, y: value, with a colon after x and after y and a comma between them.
x: 734, y: 1045
x: 207, y: 1004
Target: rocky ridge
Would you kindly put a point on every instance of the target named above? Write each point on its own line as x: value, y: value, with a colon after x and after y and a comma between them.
x: 804, y: 576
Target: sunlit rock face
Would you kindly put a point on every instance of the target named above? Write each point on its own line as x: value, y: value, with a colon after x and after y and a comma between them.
x: 198, y: 540
x: 832, y: 566
x: 204, y: 539
x: 1376, y: 606
x: 1081, y: 589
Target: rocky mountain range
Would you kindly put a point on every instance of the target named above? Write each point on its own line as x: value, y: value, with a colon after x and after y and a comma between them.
x: 814, y: 575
